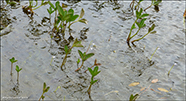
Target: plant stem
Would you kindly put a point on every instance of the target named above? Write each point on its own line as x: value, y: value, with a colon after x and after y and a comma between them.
x: 40, y: 97
x: 128, y: 39
x: 65, y: 58
x: 18, y: 78
x: 139, y: 38
x: 89, y: 90
x: 135, y: 33
x: 90, y: 67
x: 80, y: 66
x: 147, y: 8
x: 11, y: 69
x: 170, y: 69
x: 153, y: 54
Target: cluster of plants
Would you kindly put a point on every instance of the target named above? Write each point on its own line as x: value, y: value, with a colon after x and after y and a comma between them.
x: 140, y: 20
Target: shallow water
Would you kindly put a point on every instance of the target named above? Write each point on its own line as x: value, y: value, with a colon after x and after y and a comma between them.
x: 27, y: 39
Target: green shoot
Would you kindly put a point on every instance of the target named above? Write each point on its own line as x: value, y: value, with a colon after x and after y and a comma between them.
x: 67, y: 51
x: 171, y: 68
x: 12, y: 61
x: 133, y: 98
x: 45, y: 89
x: 153, y: 53
x: 18, y: 70
x: 155, y: 3
x: 95, y: 64
x: 93, y: 73
x: 84, y: 57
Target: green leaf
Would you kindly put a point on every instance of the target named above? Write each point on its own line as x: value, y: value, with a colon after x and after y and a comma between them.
x: 88, y: 56
x: 51, y: 5
x: 47, y: 89
x: 71, y: 11
x: 13, y: 60
x: 83, y: 21
x: 17, y: 68
x: 78, y: 61
x: 144, y: 15
x: 151, y: 28
x: 60, y: 10
x: 138, y: 24
x: 141, y: 10
x: 57, y: 3
x: 67, y: 17
x: 66, y: 49
x: 96, y: 69
x: 157, y: 2
x: 81, y: 54
x: 133, y: 27
x: 12, y: 3
x: 73, y: 18
x: 82, y: 13
x: 142, y: 22
x: 93, y: 82
x: 90, y: 70
x: 44, y: 86
x: 133, y: 98
x: 77, y: 43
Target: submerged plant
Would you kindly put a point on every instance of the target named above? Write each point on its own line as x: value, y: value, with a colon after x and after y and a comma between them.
x: 18, y: 70
x: 67, y: 50
x: 93, y: 73
x: 12, y: 61
x: 95, y: 64
x: 45, y: 89
x: 154, y: 53
x: 133, y: 97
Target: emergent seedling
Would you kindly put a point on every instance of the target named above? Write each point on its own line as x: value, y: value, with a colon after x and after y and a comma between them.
x: 67, y: 51
x: 93, y: 73
x: 18, y: 70
x: 12, y: 61
x: 45, y: 89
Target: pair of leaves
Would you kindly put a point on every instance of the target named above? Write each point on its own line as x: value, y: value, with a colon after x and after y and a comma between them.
x: 12, y: 60
x: 94, y: 72
x: 85, y: 56
x: 45, y: 89
x: 138, y: 14
x: 72, y: 16
x: 18, y: 69
x: 133, y: 98
x: 75, y: 44
x: 151, y: 28
x: 50, y: 11
x: 141, y: 23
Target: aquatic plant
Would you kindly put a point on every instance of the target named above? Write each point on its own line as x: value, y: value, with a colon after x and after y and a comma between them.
x: 93, y: 73
x: 67, y: 50
x: 18, y: 70
x: 12, y: 61
x: 45, y: 89
x: 140, y: 24
x: 64, y: 17
x: 153, y: 53
x: 84, y: 57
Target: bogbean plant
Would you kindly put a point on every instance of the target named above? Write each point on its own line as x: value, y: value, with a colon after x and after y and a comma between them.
x: 140, y: 24
x: 63, y: 17
x: 45, y: 89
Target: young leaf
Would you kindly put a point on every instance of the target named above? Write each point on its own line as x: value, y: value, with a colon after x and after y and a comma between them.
x: 90, y: 70
x: 73, y: 18
x: 78, y: 61
x: 57, y: 3
x: 47, y: 89
x: 94, y: 82
x: 60, y: 10
x: 151, y: 28
x: 144, y: 15
x: 88, y: 56
x: 133, y: 26
x: 51, y: 5
x: 42, y: 97
x: 83, y: 21
x: 81, y: 54
x: 44, y: 86
x: 97, y: 73
x: 13, y: 60
x: 77, y: 43
x: 71, y: 11
x: 17, y: 68
x: 82, y: 13
x: 96, y: 69
x: 133, y: 98
x: 66, y: 49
